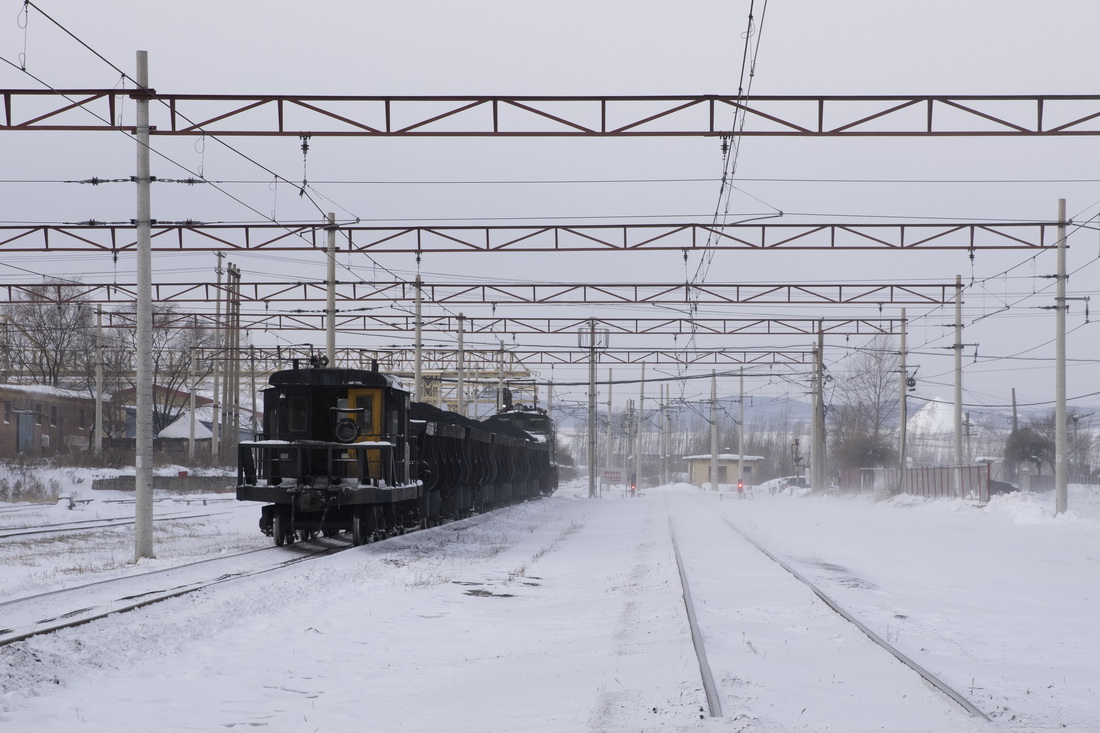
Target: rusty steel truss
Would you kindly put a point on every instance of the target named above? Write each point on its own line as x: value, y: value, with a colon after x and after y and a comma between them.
x: 556, y: 116
x: 193, y: 236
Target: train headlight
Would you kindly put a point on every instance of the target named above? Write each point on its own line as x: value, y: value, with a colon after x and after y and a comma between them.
x: 347, y: 430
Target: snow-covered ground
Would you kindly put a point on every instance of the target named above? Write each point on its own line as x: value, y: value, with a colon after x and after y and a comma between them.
x: 566, y: 614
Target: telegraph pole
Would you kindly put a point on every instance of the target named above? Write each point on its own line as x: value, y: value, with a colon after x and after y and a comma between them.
x: 1060, y: 478
x: 143, y: 458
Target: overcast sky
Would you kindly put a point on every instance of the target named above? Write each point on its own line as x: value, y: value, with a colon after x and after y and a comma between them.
x: 598, y: 48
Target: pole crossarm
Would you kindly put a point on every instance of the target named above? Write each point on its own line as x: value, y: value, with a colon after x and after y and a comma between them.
x: 556, y: 116
x: 494, y: 293
x: 200, y: 237
x: 494, y: 326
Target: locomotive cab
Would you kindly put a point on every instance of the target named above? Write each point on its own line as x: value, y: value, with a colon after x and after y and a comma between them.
x: 334, y: 440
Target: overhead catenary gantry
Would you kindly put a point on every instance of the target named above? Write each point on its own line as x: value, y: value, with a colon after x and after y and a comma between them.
x: 493, y: 293
x: 402, y: 358
x: 258, y: 115
x: 196, y: 236
x: 495, y: 327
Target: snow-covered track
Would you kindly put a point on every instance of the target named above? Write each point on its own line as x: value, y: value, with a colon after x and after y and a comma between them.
x: 831, y: 603
x: 45, y: 613
x: 713, y: 700
x: 86, y: 525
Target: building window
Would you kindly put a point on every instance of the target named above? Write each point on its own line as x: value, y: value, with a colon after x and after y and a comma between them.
x: 7, y: 411
x: 53, y: 415
x: 38, y: 413
x: 82, y: 425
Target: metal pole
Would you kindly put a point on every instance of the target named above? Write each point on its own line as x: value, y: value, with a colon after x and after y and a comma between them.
x: 592, y: 410
x: 143, y: 458
x: 99, y: 380
x: 958, y: 386
x: 461, y: 403
x: 713, y: 430
x: 330, y: 306
x: 903, y: 408
x: 418, y: 366
x: 1060, y: 480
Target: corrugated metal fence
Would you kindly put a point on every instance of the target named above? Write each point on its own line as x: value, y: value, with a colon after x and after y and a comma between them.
x: 963, y: 482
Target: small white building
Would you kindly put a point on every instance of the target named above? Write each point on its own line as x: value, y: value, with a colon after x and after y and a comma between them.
x: 699, y: 468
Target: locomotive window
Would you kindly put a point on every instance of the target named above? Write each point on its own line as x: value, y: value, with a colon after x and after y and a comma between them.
x: 297, y: 420
x: 366, y: 417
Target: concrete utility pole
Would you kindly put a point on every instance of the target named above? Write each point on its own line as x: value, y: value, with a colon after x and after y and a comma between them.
x: 592, y: 463
x: 191, y: 403
x: 500, y: 380
x: 741, y: 433
x: 958, y: 386
x: 609, y: 450
x: 461, y: 404
x: 663, y: 443
x: 638, y: 434
x: 215, y: 433
x: 713, y: 430
x: 418, y: 364
x: 1060, y: 478
x: 99, y: 380
x: 817, y: 455
x: 143, y: 458
x: 903, y: 407
x: 330, y: 300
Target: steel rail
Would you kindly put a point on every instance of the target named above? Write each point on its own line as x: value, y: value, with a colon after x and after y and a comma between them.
x: 904, y: 659
x: 83, y: 616
x: 713, y: 701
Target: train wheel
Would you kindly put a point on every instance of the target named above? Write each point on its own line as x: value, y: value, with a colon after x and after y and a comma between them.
x: 359, y: 534
x: 277, y: 529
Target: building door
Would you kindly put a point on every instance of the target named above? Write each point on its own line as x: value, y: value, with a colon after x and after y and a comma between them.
x: 24, y: 428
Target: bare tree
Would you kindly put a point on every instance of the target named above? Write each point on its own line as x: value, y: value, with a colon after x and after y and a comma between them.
x: 863, y: 416
x: 46, y: 330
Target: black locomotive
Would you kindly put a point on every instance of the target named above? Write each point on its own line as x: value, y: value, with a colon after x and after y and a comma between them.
x: 346, y: 450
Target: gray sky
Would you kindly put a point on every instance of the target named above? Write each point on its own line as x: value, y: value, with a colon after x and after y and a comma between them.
x: 614, y: 48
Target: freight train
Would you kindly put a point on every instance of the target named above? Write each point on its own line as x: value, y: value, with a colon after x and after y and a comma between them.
x: 346, y: 450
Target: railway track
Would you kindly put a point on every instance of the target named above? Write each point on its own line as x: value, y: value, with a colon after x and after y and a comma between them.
x: 85, y: 525
x: 712, y: 689
x: 44, y: 613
